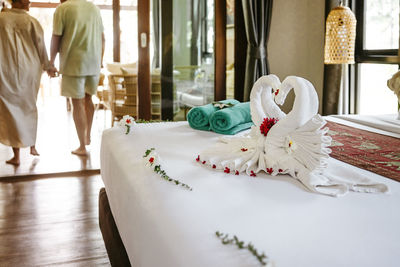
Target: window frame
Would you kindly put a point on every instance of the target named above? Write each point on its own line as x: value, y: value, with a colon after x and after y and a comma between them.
x: 206, y: 51
x: 362, y: 55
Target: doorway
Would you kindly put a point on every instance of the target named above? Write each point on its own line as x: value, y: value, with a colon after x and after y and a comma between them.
x: 56, y: 135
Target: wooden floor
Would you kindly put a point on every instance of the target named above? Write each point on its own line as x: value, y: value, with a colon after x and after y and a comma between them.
x: 48, y: 222
x: 49, y: 204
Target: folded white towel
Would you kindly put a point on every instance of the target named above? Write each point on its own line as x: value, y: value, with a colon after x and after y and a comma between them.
x: 337, y: 181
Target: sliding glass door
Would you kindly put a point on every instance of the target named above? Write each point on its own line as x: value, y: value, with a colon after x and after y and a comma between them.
x: 186, y: 54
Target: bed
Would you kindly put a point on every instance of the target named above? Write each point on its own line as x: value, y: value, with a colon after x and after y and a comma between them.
x: 148, y: 221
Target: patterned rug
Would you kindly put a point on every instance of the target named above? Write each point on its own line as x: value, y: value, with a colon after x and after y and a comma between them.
x: 370, y: 151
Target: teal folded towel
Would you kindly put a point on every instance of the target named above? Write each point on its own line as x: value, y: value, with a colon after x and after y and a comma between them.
x: 199, y: 117
x: 232, y: 120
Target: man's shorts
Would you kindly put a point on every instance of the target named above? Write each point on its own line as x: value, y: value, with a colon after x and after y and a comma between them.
x: 77, y: 86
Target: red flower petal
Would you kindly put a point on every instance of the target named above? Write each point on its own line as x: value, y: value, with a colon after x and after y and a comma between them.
x: 204, y: 162
x: 198, y: 158
x: 277, y: 92
x: 151, y: 160
x: 227, y: 170
x: 236, y: 172
x: 270, y: 170
x: 214, y: 166
x: 267, y: 124
x: 244, y: 149
x: 253, y: 174
x: 128, y: 121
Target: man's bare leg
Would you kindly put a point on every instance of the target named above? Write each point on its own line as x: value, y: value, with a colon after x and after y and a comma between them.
x: 34, y: 151
x: 15, y: 159
x: 79, y: 116
x: 89, y: 108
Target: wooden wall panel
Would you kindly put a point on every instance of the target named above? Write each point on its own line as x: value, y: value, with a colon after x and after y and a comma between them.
x: 220, y: 50
x: 144, y: 82
x: 116, y: 32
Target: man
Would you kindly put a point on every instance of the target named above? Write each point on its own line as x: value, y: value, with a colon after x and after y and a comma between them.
x: 78, y: 37
x: 23, y: 58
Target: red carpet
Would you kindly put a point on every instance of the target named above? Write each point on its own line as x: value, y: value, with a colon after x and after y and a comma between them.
x: 370, y: 151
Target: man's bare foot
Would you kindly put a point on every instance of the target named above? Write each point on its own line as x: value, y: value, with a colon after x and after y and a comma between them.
x: 34, y: 151
x: 14, y: 161
x: 80, y: 151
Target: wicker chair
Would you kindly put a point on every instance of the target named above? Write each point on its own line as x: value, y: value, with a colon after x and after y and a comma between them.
x: 124, y: 97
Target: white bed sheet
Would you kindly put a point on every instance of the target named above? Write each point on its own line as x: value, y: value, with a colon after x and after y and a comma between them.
x: 165, y: 225
x: 384, y: 124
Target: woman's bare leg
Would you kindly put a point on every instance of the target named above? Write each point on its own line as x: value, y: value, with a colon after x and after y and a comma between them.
x: 34, y: 151
x: 15, y: 159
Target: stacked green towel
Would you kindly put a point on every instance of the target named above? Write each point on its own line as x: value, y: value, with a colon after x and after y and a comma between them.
x: 199, y: 117
x: 232, y: 120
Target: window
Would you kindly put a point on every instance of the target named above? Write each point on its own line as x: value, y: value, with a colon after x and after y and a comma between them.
x: 377, y: 45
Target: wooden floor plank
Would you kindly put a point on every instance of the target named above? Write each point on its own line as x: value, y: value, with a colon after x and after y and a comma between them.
x: 51, y: 222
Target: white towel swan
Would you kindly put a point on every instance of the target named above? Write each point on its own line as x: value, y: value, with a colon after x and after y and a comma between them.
x: 246, y: 153
x: 298, y: 138
x: 262, y: 104
x: 296, y: 144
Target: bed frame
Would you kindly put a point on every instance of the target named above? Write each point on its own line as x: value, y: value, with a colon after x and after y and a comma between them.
x: 112, y: 240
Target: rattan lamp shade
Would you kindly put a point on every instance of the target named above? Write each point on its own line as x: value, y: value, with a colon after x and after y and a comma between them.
x: 340, y: 36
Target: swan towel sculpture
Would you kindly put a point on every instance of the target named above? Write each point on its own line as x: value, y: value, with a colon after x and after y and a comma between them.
x: 295, y: 143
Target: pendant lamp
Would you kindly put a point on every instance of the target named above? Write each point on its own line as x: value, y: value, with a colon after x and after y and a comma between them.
x: 340, y: 36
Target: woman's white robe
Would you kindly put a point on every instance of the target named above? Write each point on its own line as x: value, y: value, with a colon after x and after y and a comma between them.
x: 23, y: 58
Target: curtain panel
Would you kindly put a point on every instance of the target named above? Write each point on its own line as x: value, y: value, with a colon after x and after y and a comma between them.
x: 257, y: 20
x: 331, y: 91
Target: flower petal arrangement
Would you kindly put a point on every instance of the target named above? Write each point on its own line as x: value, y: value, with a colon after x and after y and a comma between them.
x: 127, y: 122
x: 222, y: 105
x: 290, y: 145
x: 394, y: 84
x: 267, y: 124
x: 152, y: 159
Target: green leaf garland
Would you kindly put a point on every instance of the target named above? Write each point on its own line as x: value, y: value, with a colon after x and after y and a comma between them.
x: 157, y: 169
x: 226, y: 240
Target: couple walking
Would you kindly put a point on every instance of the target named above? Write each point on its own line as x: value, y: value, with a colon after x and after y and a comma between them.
x: 79, y: 39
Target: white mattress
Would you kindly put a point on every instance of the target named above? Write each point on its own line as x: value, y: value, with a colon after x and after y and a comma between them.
x: 165, y: 225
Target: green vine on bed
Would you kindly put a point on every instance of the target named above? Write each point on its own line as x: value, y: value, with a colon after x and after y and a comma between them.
x: 226, y: 240
x: 152, y: 161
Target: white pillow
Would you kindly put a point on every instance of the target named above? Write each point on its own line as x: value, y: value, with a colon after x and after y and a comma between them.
x: 128, y: 70
x: 115, y: 67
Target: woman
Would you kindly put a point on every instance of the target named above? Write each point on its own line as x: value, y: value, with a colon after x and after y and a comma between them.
x: 23, y: 57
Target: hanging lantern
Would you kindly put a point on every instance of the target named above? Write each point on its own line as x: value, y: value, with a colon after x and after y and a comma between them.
x: 340, y: 36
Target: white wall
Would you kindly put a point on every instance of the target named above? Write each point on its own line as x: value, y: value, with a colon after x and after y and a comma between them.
x: 296, y: 42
